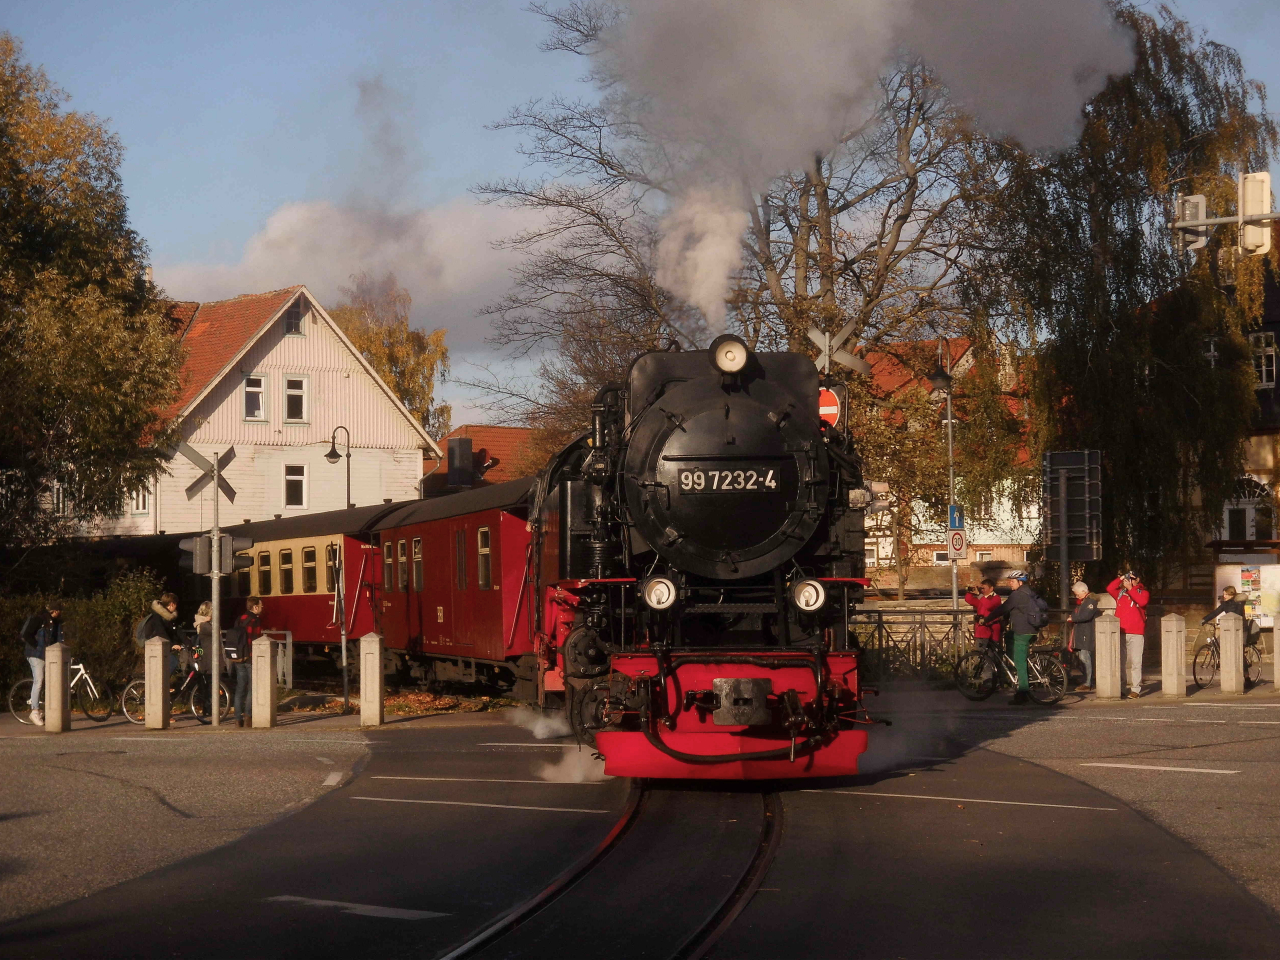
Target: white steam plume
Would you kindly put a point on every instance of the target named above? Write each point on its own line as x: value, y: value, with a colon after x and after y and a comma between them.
x: 736, y: 92
x: 543, y: 726
x: 577, y: 765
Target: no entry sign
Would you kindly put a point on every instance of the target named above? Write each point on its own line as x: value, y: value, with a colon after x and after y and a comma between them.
x: 828, y: 406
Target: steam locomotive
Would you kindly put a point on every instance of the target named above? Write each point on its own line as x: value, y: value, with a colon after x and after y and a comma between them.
x: 698, y: 556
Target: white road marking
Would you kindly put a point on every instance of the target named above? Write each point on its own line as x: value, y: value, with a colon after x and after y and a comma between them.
x: 361, y: 909
x: 1234, y: 706
x: 549, y: 746
x: 588, y: 783
x: 1154, y: 720
x: 495, y: 806
x: 324, y: 760
x: 1204, y: 721
x: 921, y: 796
x: 161, y: 738
x: 1258, y: 723
x: 333, y: 779
x: 1142, y: 766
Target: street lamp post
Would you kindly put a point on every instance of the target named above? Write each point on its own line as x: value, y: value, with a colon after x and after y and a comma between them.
x: 339, y: 569
x: 942, y: 380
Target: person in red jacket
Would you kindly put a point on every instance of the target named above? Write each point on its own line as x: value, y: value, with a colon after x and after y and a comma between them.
x: 984, y: 603
x: 1131, y: 609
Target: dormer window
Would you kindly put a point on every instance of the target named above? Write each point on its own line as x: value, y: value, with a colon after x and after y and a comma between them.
x: 293, y: 318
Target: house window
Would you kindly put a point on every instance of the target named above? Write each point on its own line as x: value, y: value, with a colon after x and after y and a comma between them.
x: 264, y: 574
x: 286, y: 571
x: 460, y: 559
x: 388, y: 567
x: 1026, y: 556
x: 940, y: 556
x: 417, y: 564
x: 484, y: 571
x: 141, y: 500
x: 1237, y: 523
x: 293, y: 318
x: 255, y: 407
x: 984, y: 556
x: 403, y: 558
x: 295, y: 486
x: 330, y: 567
x: 58, y: 500
x: 308, y: 569
x: 870, y: 555
x: 1211, y: 351
x: 295, y: 399
x: 1264, y: 360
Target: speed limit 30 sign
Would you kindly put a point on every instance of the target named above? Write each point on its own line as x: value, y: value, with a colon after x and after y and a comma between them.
x: 957, y: 545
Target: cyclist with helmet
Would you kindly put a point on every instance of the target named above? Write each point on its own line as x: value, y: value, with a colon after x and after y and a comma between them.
x: 1023, y: 612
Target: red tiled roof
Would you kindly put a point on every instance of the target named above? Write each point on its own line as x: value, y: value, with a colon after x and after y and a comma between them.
x: 892, y: 366
x: 508, y: 444
x: 179, y: 314
x: 213, y: 333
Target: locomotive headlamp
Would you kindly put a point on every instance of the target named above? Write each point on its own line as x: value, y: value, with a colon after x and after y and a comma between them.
x: 659, y: 593
x: 808, y: 595
x: 729, y: 353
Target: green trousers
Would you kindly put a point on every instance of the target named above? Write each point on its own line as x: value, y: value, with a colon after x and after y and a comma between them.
x: 1021, y: 646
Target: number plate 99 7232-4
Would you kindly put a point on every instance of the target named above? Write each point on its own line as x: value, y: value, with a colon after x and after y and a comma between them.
x: 746, y: 480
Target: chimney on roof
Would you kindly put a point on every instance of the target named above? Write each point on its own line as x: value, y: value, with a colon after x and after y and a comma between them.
x: 149, y: 275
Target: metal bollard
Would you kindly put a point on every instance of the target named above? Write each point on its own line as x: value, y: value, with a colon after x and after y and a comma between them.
x: 264, y: 683
x: 156, y: 674
x: 1173, y: 655
x: 57, y: 674
x: 1231, y: 653
x: 372, y: 683
x: 1107, y: 656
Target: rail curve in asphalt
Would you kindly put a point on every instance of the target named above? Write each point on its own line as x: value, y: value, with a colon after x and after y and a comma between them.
x: 448, y: 828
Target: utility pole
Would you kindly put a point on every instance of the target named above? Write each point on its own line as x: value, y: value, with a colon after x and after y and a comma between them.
x: 215, y: 577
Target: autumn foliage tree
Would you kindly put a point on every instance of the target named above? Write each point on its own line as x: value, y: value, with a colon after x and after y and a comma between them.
x: 86, y: 358
x: 375, y: 316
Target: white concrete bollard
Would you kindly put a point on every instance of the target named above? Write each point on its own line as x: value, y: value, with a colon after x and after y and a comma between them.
x: 372, y: 684
x: 1173, y: 655
x: 156, y: 674
x: 1106, y: 656
x: 57, y: 673
x: 1231, y: 653
x: 264, y: 684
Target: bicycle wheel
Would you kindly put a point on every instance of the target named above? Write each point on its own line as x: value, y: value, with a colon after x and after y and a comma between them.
x: 133, y: 702
x: 1252, y: 666
x: 1046, y: 679
x: 1205, y: 666
x: 20, y: 699
x: 974, y: 678
x: 198, y: 702
x: 96, y: 700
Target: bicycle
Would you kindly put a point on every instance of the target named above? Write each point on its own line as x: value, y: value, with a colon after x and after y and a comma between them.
x: 192, y: 695
x: 95, y: 700
x: 1208, y: 658
x: 980, y: 673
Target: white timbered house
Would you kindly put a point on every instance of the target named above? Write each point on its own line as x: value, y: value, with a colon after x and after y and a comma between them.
x: 272, y: 376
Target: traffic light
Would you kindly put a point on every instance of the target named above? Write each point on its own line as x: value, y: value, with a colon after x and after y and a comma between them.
x: 197, y: 554
x: 231, y: 546
x: 1193, y: 208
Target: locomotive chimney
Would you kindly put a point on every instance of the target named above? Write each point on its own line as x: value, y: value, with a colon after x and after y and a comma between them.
x: 461, y: 471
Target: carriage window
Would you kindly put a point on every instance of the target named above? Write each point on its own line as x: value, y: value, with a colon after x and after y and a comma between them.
x: 484, y: 572
x: 264, y: 574
x: 403, y: 580
x: 308, y: 569
x: 244, y: 583
x: 417, y: 564
x: 330, y: 563
x: 388, y: 567
x: 286, y: 571
x: 460, y: 559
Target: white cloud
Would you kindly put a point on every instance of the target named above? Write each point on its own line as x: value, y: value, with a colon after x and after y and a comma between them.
x: 442, y: 255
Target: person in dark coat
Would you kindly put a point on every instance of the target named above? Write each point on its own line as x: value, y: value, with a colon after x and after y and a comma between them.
x: 162, y: 623
x: 1021, y: 611
x: 246, y: 629
x: 1081, y: 642
x: 1232, y: 603
x: 38, y: 631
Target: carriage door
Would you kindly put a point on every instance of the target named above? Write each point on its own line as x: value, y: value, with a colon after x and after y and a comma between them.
x: 463, y: 574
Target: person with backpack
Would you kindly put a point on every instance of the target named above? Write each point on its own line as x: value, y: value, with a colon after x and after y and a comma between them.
x: 1131, y: 608
x: 161, y: 622
x: 238, y: 644
x: 38, y: 631
x: 1025, y: 613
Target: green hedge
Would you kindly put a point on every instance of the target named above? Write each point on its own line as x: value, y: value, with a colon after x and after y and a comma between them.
x: 99, y: 629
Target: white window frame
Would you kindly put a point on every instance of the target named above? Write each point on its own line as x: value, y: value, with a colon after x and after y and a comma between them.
x: 305, y: 394
x: 871, y: 555
x: 984, y: 556
x: 1263, y: 347
x: 141, y: 501
x: 284, y: 492
x: 262, y: 397
x: 940, y: 557
x: 301, y: 316
x: 58, y: 500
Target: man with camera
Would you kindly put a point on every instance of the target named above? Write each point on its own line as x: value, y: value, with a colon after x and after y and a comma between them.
x: 1131, y: 608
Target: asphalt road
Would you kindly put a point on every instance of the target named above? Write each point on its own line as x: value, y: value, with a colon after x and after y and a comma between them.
x: 953, y: 845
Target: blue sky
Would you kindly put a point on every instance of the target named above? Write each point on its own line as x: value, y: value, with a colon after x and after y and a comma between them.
x: 243, y: 131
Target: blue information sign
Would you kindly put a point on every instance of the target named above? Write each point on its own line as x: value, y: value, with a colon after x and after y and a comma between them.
x: 955, y: 517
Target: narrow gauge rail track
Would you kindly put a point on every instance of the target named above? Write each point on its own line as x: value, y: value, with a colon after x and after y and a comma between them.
x: 597, y: 893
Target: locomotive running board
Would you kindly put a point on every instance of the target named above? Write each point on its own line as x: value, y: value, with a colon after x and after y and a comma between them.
x: 630, y: 754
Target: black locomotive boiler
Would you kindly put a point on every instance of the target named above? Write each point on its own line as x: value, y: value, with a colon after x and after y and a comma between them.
x: 698, y: 556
